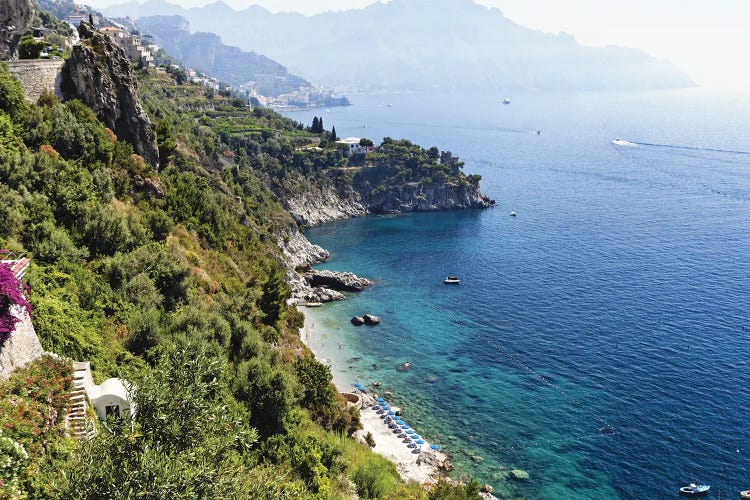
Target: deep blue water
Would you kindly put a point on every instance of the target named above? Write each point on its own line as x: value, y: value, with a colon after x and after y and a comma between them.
x: 618, y: 300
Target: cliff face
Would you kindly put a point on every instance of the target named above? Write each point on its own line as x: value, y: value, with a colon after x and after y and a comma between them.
x: 15, y: 19
x: 418, y: 197
x: 98, y: 72
x: 319, y: 204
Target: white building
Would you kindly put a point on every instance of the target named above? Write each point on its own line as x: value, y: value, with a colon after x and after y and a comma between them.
x: 354, y: 147
x: 108, y: 398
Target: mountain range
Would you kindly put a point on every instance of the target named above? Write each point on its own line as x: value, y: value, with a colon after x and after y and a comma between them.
x: 422, y: 45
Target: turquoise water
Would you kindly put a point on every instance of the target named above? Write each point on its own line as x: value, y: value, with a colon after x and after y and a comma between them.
x: 600, y: 340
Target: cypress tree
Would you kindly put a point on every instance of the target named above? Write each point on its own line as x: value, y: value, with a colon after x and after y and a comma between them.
x: 314, y: 127
x: 333, y: 134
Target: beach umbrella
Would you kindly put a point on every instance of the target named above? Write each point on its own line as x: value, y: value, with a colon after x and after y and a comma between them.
x: 405, y: 426
x: 410, y: 431
x: 416, y: 437
x: 419, y: 441
x: 435, y: 446
x: 380, y: 400
x: 386, y: 407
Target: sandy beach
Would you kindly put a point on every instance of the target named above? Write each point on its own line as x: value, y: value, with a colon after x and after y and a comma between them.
x: 423, y: 465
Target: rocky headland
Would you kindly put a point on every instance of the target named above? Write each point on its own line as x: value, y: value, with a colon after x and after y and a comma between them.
x: 99, y: 73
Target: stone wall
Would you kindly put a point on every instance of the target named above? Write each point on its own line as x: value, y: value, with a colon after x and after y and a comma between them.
x: 37, y: 75
x: 21, y: 348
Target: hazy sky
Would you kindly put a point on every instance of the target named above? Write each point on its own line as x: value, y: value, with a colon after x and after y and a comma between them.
x: 707, y: 38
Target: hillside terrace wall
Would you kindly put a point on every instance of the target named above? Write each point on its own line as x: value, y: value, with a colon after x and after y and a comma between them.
x: 21, y: 348
x: 37, y: 75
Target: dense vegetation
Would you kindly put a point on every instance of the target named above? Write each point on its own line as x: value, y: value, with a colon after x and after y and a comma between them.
x: 171, y: 279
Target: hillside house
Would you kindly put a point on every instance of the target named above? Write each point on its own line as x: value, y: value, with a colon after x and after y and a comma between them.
x: 132, y: 44
x: 353, y: 146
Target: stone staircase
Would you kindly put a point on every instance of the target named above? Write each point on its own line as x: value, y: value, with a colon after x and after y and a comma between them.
x: 76, y: 422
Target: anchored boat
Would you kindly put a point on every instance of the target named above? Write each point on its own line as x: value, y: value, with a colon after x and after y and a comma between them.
x: 695, y: 490
x: 451, y: 280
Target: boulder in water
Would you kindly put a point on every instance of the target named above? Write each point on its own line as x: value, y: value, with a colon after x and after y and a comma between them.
x: 371, y: 319
x: 519, y: 475
x: 358, y: 320
x: 404, y: 367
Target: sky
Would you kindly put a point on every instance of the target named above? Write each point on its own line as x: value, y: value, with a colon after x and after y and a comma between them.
x: 708, y: 39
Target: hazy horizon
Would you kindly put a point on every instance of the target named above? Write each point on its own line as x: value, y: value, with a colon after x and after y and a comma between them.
x: 705, y: 40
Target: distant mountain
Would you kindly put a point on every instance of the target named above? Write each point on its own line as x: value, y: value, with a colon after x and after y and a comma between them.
x: 206, y: 53
x: 425, y: 44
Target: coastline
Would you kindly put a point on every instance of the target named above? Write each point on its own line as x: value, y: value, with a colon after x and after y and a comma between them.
x: 426, y: 466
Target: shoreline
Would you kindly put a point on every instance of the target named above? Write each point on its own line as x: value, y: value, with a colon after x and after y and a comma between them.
x: 425, y: 466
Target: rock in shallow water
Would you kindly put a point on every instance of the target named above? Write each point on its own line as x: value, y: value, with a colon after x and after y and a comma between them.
x: 519, y: 475
x: 371, y: 320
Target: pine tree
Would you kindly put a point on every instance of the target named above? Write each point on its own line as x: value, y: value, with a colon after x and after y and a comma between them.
x: 333, y: 135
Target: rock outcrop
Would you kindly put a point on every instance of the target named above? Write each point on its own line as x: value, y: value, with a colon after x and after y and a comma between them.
x: 15, y: 19
x: 98, y: 72
x: 300, y: 253
x: 341, y: 282
x: 319, y: 204
x: 420, y: 197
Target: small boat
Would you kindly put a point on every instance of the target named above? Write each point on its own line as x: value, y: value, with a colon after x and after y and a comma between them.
x: 506, y: 101
x: 695, y: 490
x: 745, y: 495
x: 513, y: 214
x: 452, y: 280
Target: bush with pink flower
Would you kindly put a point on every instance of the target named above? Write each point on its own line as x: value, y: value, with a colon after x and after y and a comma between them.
x: 12, y: 298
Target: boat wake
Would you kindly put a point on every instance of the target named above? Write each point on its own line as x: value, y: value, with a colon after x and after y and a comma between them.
x: 621, y: 142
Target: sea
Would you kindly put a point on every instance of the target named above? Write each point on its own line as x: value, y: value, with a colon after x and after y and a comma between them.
x: 600, y: 339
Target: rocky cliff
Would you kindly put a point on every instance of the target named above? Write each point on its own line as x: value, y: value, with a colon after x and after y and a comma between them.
x: 15, y: 20
x: 99, y: 73
x: 318, y: 204
x: 421, y: 197
x: 323, y: 203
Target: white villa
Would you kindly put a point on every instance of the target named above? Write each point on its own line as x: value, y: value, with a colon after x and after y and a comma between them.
x: 354, y: 146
